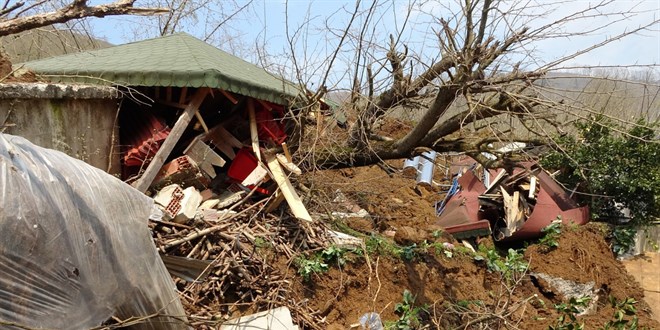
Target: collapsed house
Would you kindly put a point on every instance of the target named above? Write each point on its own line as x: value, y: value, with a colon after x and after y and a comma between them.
x: 510, y: 206
x: 187, y: 117
x: 194, y: 127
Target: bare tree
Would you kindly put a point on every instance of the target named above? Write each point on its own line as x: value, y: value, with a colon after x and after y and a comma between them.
x: 213, y: 21
x: 477, y: 88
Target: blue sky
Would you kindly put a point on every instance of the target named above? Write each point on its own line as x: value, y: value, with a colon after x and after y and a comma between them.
x: 263, y: 26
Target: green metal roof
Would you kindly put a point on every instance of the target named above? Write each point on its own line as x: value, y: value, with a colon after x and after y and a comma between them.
x: 178, y: 60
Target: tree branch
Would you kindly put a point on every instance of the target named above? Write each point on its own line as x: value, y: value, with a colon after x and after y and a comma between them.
x: 6, y: 10
x: 76, y: 9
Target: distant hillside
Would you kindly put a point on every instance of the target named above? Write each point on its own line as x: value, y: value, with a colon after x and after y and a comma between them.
x: 623, y: 101
x: 47, y: 42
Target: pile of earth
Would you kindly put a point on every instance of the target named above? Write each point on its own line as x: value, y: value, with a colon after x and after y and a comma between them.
x: 454, y: 286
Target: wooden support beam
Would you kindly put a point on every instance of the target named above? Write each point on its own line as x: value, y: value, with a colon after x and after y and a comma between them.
x: 168, y: 94
x: 228, y: 95
x: 289, y: 166
x: 254, y: 133
x: 201, y: 121
x: 182, y: 97
x: 143, y: 183
x: 295, y: 203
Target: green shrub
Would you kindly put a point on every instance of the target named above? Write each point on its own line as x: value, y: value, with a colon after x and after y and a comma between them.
x: 568, y: 312
x: 512, y: 266
x: 609, y: 164
x: 550, y: 239
x: 308, y: 267
x: 409, y: 314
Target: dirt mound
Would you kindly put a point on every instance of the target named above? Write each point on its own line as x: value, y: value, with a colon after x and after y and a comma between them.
x: 454, y: 285
x: 584, y: 257
x: 407, y: 270
x: 456, y: 290
x: 392, y: 199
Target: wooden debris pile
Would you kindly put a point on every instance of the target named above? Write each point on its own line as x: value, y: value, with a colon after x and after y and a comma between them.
x: 236, y: 270
x: 510, y: 200
x: 218, y: 165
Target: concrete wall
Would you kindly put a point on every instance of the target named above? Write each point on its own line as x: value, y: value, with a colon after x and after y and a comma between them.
x: 647, y: 240
x: 77, y: 120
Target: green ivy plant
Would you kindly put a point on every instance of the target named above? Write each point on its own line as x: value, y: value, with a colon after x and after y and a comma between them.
x: 308, y: 267
x: 320, y: 262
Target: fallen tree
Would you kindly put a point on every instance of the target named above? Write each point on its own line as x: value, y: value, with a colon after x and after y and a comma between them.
x: 483, y: 83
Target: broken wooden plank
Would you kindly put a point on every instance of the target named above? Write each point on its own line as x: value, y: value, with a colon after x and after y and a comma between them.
x: 256, y: 177
x: 514, y: 207
x: 143, y: 183
x: 227, y: 137
x: 229, y: 198
x: 274, y: 202
x: 295, y: 203
x: 254, y: 132
x: 495, y: 181
x: 285, y: 148
x: 204, y: 156
x: 532, y: 187
x: 289, y: 166
x: 223, y: 140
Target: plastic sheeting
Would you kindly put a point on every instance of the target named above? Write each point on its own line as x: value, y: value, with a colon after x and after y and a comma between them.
x: 75, y: 248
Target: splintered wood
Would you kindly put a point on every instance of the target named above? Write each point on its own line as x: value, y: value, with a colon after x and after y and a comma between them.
x: 239, y: 271
x: 513, y: 198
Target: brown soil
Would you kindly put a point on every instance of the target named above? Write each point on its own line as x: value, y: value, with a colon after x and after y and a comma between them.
x: 392, y: 200
x: 584, y: 256
x: 345, y: 293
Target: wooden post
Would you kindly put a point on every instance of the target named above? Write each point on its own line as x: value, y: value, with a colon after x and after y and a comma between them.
x: 180, y: 126
x: 184, y: 93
